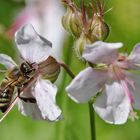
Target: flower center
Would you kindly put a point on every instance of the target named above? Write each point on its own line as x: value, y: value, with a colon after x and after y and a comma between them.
x: 116, y: 72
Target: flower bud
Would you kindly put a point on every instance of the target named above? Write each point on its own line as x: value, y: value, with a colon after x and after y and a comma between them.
x: 98, y: 29
x: 76, y: 24
x: 79, y: 45
x: 66, y: 19
x: 50, y: 69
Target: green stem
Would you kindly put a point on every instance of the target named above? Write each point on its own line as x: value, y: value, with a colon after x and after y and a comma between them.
x: 92, y: 121
x: 60, y: 126
x: 67, y: 69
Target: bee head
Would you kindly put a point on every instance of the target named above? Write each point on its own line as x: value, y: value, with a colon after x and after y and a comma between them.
x: 25, y: 68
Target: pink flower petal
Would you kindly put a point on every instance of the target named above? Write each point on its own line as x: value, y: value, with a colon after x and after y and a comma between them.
x: 45, y: 16
x: 134, y: 57
x: 86, y: 84
x: 29, y: 109
x: 45, y: 94
x: 32, y: 47
x: 101, y: 52
x: 7, y: 61
x: 136, y: 91
x: 113, y: 106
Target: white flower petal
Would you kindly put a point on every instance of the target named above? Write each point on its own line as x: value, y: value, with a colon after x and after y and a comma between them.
x: 32, y: 46
x: 52, y: 12
x: 45, y: 93
x: 134, y: 57
x: 29, y: 109
x: 113, y: 106
x: 101, y: 52
x: 136, y: 91
x: 7, y: 61
x: 86, y: 84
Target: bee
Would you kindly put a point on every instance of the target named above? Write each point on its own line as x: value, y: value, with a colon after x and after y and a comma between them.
x: 16, y: 78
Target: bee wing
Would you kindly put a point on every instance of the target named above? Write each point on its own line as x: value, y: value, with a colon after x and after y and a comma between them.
x: 45, y: 93
x: 32, y: 46
x: 7, y: 61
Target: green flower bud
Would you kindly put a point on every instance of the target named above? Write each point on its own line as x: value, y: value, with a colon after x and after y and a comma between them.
x: 98, y: 29
x: 79, y: 45
x: 66, y: 19
x: 76, y: 24
x: 50, y: 69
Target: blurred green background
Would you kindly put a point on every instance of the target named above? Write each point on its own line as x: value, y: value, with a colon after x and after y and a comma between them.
x: 124, y: 22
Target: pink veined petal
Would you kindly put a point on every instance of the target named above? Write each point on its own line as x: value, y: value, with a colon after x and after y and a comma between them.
x: 133, y: 60
x: 29, y: 109
x: 101, y: 52
x: 136, y: 91
x: 127, y: 91
x: 113, y: 106
x: 86, y: 84
x: 135, y: 54
x: 45, y: 93
x: 32, y: 46
x: 7, y: 61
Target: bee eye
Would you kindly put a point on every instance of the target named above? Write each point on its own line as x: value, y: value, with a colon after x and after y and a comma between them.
x: 4, y: 95
x: 25, y: 68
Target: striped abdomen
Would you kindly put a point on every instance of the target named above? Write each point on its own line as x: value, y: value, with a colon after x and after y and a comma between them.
x: 5, y: 98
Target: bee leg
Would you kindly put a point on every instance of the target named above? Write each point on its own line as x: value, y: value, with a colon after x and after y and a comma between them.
x: 4, y: 108
x: 26, y: 76
x: 25, y: 84
x: 27, y: 100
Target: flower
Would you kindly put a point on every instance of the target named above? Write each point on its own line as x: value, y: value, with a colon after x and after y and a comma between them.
x: 112, y: 79
x: 35, y: 50
x: 45, y: 16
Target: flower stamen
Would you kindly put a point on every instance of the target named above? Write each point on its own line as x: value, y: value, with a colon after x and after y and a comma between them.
x: 133, y: 115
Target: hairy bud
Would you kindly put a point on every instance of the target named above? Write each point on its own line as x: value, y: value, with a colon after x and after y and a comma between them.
x: 79, y: 45
x: 66, y: 19
x: 98, y: 29
x: 76, y: 24
x: 50, y: 69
